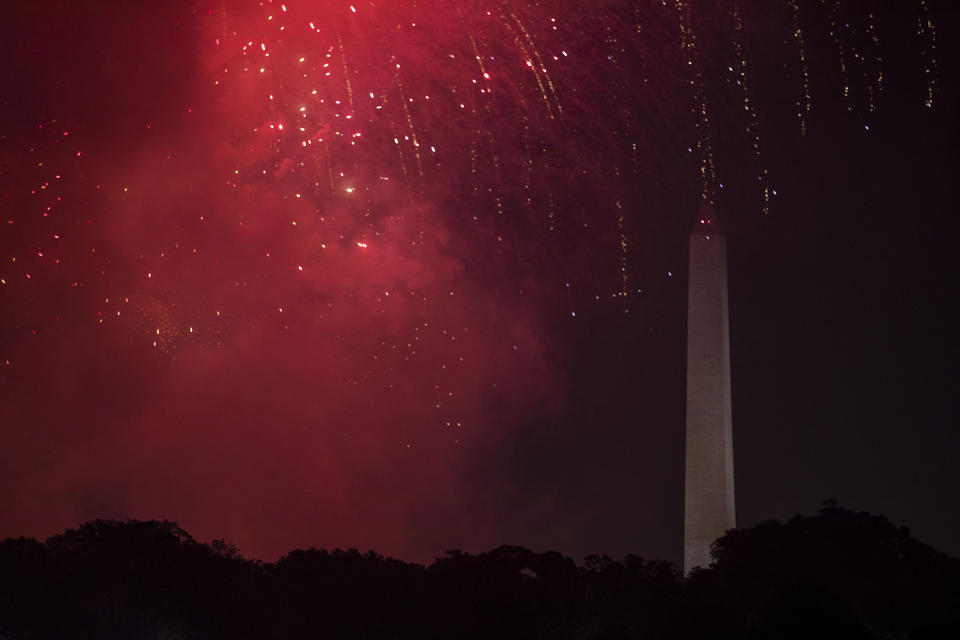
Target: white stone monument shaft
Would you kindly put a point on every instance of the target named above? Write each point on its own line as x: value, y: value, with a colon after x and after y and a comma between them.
x: 708, y: 471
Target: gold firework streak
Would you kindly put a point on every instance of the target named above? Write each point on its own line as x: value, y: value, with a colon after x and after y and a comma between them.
x: 533, y: 61
x: 876, y: 88
x: 834, y: 14
x: 542, y: 65
x: 476, y: 53
x: 624, y: 280
x: 928, y: 34
x: 346, y: 73
x: 802, y: 108
x: 409, y: 118
x: 688, y: 44
x: 753, y: 125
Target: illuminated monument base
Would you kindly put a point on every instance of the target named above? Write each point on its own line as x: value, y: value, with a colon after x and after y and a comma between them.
x: 708, y: 472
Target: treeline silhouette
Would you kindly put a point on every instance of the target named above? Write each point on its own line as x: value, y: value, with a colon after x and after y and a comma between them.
x: 838, y: 574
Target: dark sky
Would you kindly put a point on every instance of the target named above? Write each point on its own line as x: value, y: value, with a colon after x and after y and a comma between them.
x: 411, y: 276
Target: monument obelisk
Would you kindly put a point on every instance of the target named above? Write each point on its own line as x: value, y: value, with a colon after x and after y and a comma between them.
x: 708, y: 506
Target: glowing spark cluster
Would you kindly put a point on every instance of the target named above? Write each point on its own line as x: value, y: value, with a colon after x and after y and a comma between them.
x: 402, y: 162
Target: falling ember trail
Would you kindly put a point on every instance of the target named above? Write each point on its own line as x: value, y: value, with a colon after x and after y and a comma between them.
x: 928, y: 36
x: 804, y: 106
x: 688, y: 45
x: 753, y: 124
x: 834, y: 15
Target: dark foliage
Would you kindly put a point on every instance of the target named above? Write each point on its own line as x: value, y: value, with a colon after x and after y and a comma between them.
x: 854, y: 575
x: 838, y: 574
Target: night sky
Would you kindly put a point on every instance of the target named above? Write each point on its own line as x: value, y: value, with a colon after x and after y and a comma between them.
x: 410, y: 276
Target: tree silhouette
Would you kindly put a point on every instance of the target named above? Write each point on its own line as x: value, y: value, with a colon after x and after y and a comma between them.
x: 839, y: 565
x: 837, y: 574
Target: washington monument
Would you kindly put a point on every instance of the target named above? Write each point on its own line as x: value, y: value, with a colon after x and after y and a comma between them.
x: 708, y: 507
